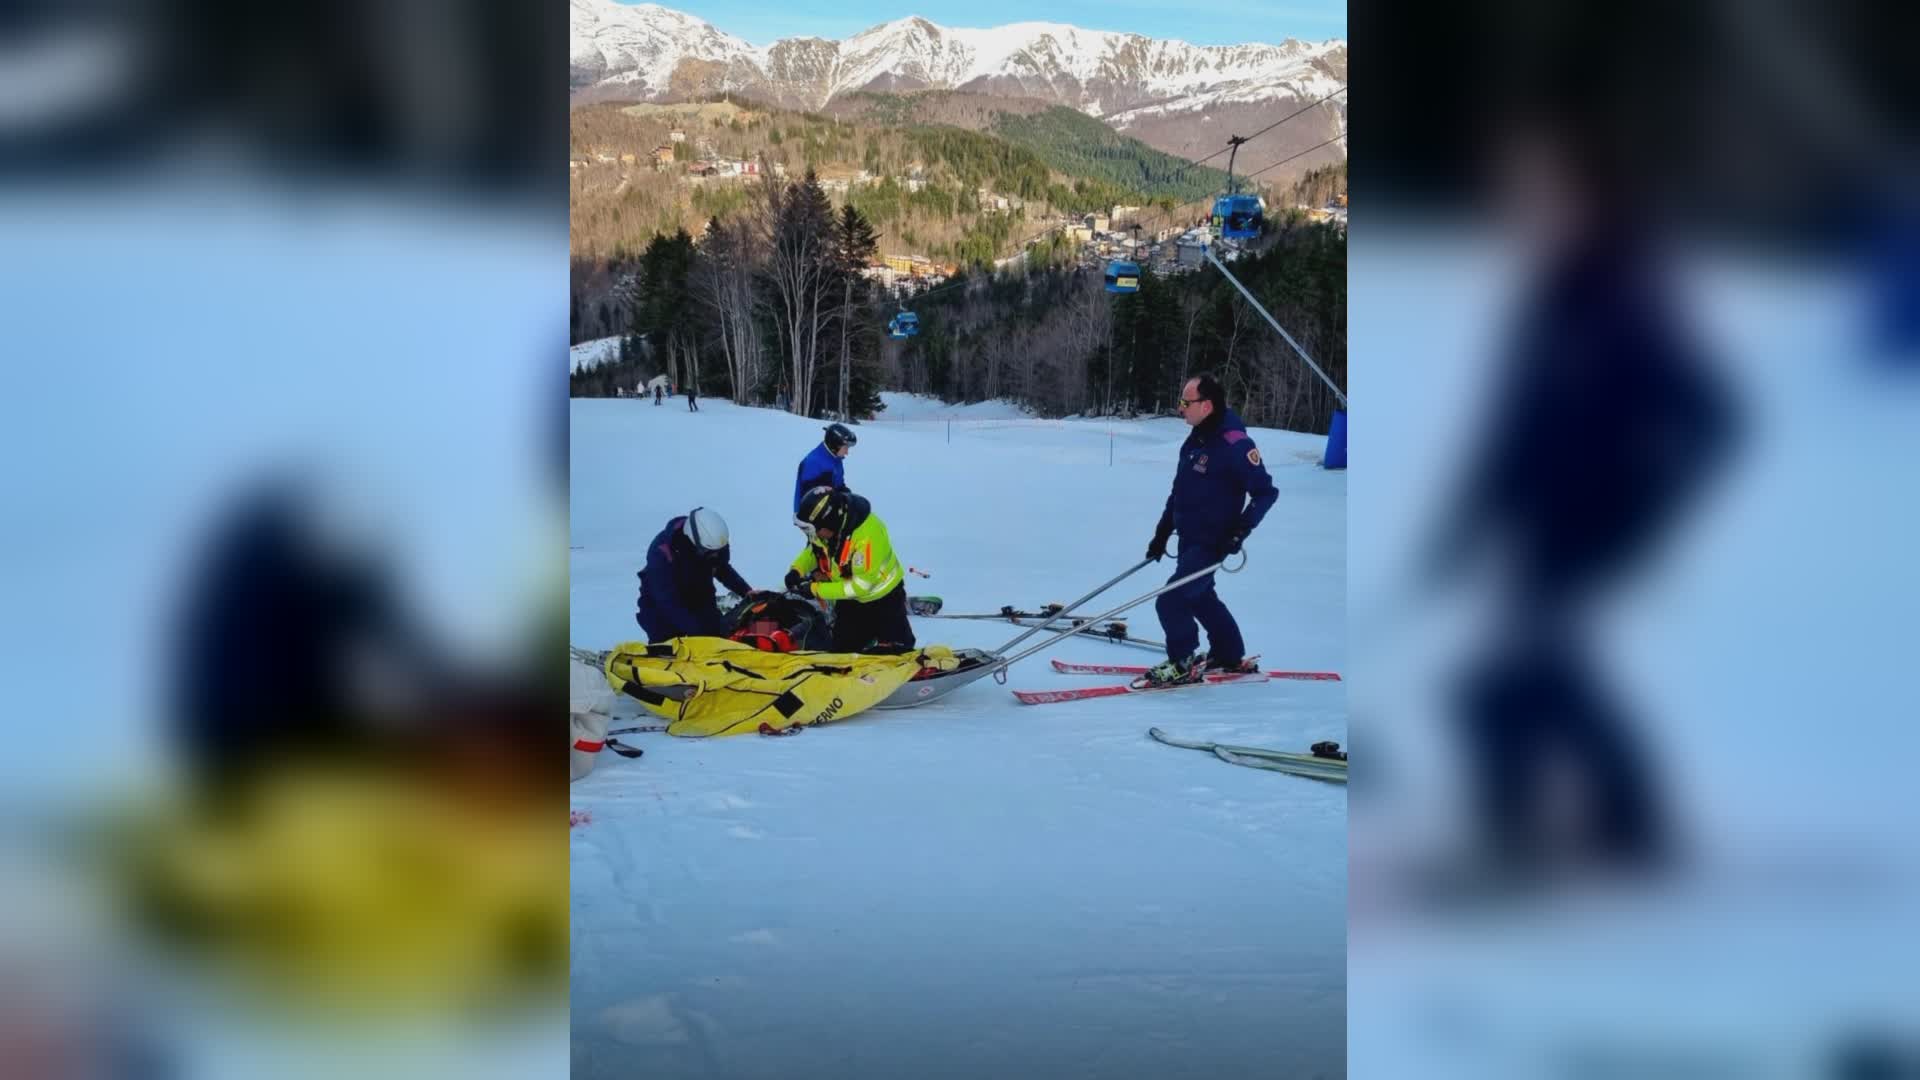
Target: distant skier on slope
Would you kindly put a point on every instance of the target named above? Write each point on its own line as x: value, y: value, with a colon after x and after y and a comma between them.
x: 1219, y: 472
x: 823, y: 466
x: 849, y: 559
x: 676, y: 588
x: 693, y: 398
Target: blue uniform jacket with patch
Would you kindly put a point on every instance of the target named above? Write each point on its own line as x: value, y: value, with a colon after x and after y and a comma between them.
x: 676, y: 588
x: 1220, y: 471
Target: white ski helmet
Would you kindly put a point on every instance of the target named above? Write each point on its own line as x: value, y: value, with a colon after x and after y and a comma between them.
x: 707, y: 529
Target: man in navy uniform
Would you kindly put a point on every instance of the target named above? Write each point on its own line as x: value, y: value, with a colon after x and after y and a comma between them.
x: 1220, y: 493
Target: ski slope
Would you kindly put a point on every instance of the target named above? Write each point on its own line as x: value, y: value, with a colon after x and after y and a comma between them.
x: 974, y: 887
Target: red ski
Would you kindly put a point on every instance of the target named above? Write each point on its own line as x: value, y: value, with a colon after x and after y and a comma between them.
x: 1047, y: 697
x: 1131, y: 669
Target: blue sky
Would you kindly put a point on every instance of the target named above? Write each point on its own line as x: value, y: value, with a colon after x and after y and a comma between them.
x: 761, y: 22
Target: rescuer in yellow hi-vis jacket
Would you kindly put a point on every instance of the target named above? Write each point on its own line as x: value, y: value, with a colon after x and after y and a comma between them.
x: 849, y: 560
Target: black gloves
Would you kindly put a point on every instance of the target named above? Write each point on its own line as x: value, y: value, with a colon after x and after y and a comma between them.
x: 1234, y: 539
x: 1157, y: 548
x: 796, y: 583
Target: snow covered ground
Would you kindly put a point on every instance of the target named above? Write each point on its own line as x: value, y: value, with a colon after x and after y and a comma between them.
x: 1767, y: 625
x: 901, y: 406
x: 975, y: 887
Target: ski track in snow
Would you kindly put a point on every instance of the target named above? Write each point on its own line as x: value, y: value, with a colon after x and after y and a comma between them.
x: 975, y: 887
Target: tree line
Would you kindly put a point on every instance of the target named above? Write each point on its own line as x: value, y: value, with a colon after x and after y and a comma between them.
x: 769, y: 304
x: 1050, y: 336
x: 1054, y: 162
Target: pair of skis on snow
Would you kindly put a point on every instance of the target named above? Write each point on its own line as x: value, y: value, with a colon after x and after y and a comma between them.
x: 1137, y: 684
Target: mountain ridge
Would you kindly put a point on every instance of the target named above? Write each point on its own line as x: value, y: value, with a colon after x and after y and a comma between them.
x: 1170, y: 94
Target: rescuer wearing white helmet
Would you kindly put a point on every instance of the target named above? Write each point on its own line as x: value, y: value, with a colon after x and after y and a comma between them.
x: 676, y: 588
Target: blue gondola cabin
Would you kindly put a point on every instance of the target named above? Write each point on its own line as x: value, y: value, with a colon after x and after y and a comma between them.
x: 904, y: 325
x: 1238, y: 217
x: 1123, y: 277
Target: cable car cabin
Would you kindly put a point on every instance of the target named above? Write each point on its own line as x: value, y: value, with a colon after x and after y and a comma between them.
x: 904, y: 325
x: 1123, y: 277
x: 1238, y: 217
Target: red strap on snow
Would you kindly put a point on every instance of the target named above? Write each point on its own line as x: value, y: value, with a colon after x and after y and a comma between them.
x: 588, y: 745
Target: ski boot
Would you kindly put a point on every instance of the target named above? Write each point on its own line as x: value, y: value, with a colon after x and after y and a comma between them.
x: 1176, y: 672
x: 1229, y: 665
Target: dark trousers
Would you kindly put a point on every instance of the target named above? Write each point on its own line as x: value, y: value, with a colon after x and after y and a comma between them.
x: 692, y: 404
x: 877, y: 627
x: 1533, y: 703
x: 1196, y: 602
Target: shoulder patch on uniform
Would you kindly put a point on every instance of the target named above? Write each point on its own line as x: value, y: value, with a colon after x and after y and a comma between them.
x: 1253, y: 455
x: 1235, y: 436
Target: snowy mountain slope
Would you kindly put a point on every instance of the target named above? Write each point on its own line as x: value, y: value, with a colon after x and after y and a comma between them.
x: 588, y: 353
x: 639, y: 45
x: 976, y: 887
x: 639, y: 50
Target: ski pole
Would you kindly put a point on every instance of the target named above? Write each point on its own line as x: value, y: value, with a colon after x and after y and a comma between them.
x: 1062, y: 613
x: 917, y: 570
x: 1135, y: 602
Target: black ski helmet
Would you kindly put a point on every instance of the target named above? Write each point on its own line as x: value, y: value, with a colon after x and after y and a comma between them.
x: 839, y: 435
x: 822, y: 507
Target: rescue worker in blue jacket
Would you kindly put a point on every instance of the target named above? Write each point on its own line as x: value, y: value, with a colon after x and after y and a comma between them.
x: 676, y: 588
x: 1220, y: 493
x: 824, y: 466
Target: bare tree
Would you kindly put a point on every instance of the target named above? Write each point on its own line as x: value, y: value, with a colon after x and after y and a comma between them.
x: 1093, y: 320
x: 725, y: 282
x: 799, y: 268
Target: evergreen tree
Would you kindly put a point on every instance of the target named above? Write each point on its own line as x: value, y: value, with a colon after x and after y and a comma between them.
x: 854, y: 244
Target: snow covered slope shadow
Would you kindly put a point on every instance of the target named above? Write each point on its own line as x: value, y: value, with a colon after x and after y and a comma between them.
x: 975, y: 887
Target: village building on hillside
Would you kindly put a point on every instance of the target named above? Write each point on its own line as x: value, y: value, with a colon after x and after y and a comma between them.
x: 1192, y: 249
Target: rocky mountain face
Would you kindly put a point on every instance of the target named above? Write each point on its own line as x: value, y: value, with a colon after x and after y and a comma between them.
x: 1181, y: 98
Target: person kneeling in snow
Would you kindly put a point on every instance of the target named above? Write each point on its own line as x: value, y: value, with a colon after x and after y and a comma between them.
x: 849, y: 560
x: 676, y: 588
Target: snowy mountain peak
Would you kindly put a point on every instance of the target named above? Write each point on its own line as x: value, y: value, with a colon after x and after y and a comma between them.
x: 650, y: 52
